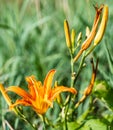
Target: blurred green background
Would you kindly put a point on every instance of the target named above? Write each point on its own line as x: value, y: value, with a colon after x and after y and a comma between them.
x: 32, y: 42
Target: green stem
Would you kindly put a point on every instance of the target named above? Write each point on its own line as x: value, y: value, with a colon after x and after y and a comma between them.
x: 82, y: 61
x: 72, y: 71
x: 69, y: 97
x: 44, y: 122
x: 91, y: 49
x: 80, y: 66
x: 86, y: 113
x: 65, y: 120
x: 24, y: 118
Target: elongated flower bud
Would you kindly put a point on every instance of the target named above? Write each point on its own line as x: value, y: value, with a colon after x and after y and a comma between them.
x: 102, y: 27
x: 87, y: 32
x: 73, y: 37
x: 92, y: 34
x: 67, y: 34
x: 88, y: 90
x: 79, y: 37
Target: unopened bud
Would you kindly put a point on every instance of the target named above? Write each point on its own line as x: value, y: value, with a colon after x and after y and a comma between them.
x: 79, y: 37
x: 73, y: 37
x: 67, y: 34
x: 87, y: 31
x: 102, y: 27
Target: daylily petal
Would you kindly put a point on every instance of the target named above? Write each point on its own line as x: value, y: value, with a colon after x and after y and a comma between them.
x: 39, y: 90
x: 30, y: 81
x: 33, y: 86
x: 20, y: 102
x: 48, y: 81
x: 42, y: 109
x: 3, y: 91
x: 42, y: 106
x: 19, y: 91
x: 56, y: 91
x: 49, y: 103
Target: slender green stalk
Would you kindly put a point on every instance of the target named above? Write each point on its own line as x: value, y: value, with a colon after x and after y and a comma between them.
x: 69, y: 97
x: 91, y: 49
x: 72, y: 71
x: 73, y: 80
x: 65, y: 119
x: 44, y: 122
x: 86, y: 113
x: 80, y: 66
x: 24, y: 118
x: 85, y: 54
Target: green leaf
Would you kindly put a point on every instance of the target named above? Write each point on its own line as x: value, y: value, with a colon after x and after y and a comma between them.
x: 105, y: 93
x: 109, y: 58
x: 96, y: 124
x: 76, y: 126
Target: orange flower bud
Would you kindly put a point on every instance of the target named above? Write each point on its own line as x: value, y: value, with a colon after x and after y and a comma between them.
x: 92, y: 34
x: 67, y: 33
x: 102, y: 27
x: 73, y: 37
x: 87, y: 31
x: 88, y: 90
x: 79, y: 38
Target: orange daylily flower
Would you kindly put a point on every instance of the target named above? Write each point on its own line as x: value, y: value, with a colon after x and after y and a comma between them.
x: 40, y: 97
